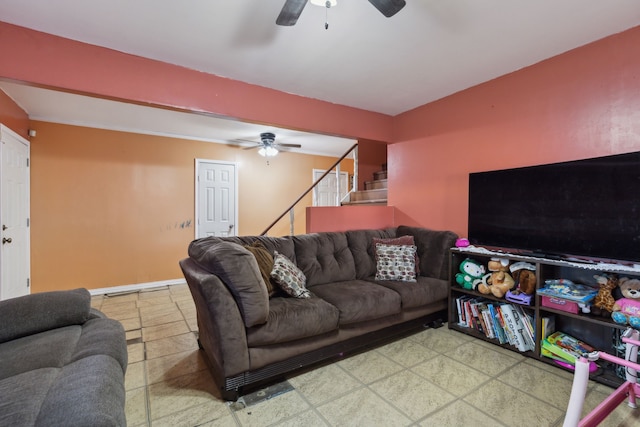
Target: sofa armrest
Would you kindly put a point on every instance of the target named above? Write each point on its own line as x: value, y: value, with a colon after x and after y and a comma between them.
x: 238, y: 269
x: 433, y: 249
x: 221, y: 330
x: 31, y: 314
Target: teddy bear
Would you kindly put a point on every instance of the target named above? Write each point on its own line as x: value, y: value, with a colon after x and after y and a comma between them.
x: 470, y: 274
x: 603, y: 302
x: 524, y: 275
x: 498, y: 281
x: 627, y: 309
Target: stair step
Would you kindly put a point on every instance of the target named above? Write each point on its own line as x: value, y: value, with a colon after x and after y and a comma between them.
x: 366, y: 202
x: 375, y: 185
x: 380, y: 193
x: 380, y: 175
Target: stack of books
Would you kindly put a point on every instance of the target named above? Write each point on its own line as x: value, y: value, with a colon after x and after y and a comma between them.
x: 564, y: 347
x: 507, y: 323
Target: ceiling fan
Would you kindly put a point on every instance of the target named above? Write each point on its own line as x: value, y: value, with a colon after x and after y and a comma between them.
x: 268, y: 147
x: 293, y: 8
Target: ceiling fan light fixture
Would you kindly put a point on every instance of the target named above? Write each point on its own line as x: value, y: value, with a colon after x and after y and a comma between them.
x: 324, y: 3
x: 268, y: 151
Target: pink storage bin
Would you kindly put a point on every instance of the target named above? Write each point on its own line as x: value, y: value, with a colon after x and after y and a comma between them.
x: 560, y: 304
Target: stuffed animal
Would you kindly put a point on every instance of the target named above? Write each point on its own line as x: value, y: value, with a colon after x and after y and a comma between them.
x: 498, y: 281
x: 603, y: 302
x: 524, y: 275
x: 627, y: 309
x: 470, y: 273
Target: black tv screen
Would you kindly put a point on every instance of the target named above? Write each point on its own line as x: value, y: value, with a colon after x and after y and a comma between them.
x: 586, y: 209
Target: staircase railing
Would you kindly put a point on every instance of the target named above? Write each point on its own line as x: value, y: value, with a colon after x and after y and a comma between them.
x: 336, y: 165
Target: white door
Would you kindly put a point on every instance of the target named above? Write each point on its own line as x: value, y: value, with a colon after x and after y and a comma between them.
x: 325, y: 193
x: 14, y: 215
x: 216, y: 198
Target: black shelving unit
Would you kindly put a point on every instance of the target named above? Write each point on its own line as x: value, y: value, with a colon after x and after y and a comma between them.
x: 600, y: 332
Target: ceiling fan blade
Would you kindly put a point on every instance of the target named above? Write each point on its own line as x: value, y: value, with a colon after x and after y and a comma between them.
x: 291, y: 12
x: 288, y: 145
x: 245, y: 144
x: 388, y: 7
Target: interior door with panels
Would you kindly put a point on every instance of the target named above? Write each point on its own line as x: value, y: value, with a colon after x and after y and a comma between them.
x: 14, y: 215
x: 325, y: 193
x: 216, y: 198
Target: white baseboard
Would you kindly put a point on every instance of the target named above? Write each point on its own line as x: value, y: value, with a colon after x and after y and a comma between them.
x: 136, y: 287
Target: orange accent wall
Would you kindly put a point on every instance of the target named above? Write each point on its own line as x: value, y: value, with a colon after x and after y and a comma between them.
x: 12, y: 116
x: 113, y: 208
x: 583, y: 103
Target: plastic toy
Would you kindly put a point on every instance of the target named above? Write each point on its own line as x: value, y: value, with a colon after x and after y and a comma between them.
x: 470, y: 273
x: 627, y: 309
x: 462, y: 242
x: 524, y: 275
x: 628, y: 390
x: 566, y: 289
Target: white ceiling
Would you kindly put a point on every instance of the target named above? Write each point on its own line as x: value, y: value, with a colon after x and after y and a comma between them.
x: 430, y: 49
x: 61, y: 107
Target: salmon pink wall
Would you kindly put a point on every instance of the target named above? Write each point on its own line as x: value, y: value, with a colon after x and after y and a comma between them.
x: 583, y: 103
x: 43, y: 59
x: 349, y: 218
x: 114, y: 208
x: 371, y: 156
x: 12, y: 116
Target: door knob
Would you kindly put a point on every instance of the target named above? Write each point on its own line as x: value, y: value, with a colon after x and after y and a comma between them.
x: 230, y: 226
x: 5, y: 240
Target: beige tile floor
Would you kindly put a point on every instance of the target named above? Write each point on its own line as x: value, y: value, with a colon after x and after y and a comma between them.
x: 436, y: 377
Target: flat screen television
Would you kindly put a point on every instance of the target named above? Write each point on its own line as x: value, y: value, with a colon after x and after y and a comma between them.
x: 587, y: 209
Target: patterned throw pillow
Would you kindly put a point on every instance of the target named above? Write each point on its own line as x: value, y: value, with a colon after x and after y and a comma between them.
x: 396, y: 262
x: 289, y: 277
x: 400, y: 240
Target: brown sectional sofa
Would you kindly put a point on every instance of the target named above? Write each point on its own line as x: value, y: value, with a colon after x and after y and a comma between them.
x: 249, y: 337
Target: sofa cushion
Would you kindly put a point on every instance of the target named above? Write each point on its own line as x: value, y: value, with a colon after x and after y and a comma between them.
x: 284, y: 245
x: 396, y: 262
x: 88, y: 392
x: 41, y: 385
x: 359, y: 300
x: 60, y: 346
x: 292, y: 318
x: 102, y: 336
x: 362, y: 249
x: 324, y: 258
x: 238, y: 269
x: 289, y: 277
x: 22, y: 396
x: 49, y: 349
x: 265, y: 263
x: 424, y: 291
x: 433, y: 249
x: 35, y: 313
